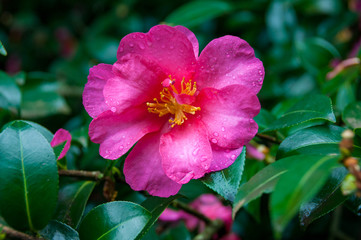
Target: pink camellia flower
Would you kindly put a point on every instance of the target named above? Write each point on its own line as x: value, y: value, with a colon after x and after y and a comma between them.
x: 60, y: 137
x: 189, y: 114
x: 211, y: 207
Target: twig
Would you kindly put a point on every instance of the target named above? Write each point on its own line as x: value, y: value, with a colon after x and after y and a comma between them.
x: 268, y: 138
x: 192, y: 211
x: 94, y: 175
x: 210, y: 230
x: 16, y: 234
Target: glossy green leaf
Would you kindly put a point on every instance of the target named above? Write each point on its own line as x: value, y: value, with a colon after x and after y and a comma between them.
x: 264, y: 119
x: 28, y: 175
x: 2, y: 49
x: 196, y: 12
x: 10, y: 95
x: 309, y: 111
x: 298, y: 185
x: 44, y: 131
x: 155, y: 205
x: 352, y: 116
x: 180, y: 232
x: 316, y: 53
x: 72, y: 201
x: 114, y: 220
x: 262, y: 182
x: 314, y: 140
x: 226, y: 182
x: 59, y: 231
x: 327, y: 199
x: 344, y: 97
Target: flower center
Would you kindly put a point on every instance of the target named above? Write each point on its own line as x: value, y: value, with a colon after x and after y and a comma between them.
x: 168, y: 101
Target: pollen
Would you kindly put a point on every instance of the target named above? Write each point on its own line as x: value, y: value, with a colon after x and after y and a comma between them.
x: 168, y: 103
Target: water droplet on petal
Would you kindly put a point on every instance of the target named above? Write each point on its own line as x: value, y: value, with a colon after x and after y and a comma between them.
x: 214, y: 140
x: 195, y: 152
x: 121, y: 147
x: 215, y: 134
x: 141, y: 36
x: 113, y: 109
x: 204, y: 158
x: 141, y: 46
x: 233, y: 157
x: 171, y: 47
x: 260, y: 72
x: 223, y: 129
x: 131, y: 44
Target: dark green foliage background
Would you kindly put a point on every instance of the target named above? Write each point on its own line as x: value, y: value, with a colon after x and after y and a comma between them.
x: 299, y: 42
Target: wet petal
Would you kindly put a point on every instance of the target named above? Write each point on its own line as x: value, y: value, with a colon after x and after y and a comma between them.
x: 93, y: 98
x: 186, y: 152
x: 61, y: 136
x: 192, y: 38
x: 229, y: 60
x: 223, y: 157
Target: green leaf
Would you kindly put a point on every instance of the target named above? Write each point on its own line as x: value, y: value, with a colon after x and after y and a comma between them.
x: 196, y: 12
x: 264, y: 119
x: 345, y: 96
x: 28, y: 175
x: 155, y: 205
x: 114, y: 220
x: 59, y: 231
x: 298, y: 185
x: 315, y: 54
x: 327, y: 199
x: 262, y: 182
x: 309, y: 111
x: 10, y: 95
x: 354, y: 204
x: 72, y: 201
x: 180, y: 232
x: 314, y: 140
x: 44, y: 131
x: 43, y: 100
x: 352, y: 116
x: 3, y: 50
x: 227, y: 181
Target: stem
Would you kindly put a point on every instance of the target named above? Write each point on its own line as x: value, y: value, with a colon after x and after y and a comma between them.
x: 268, y: 138
x: 94, y: 175
x: 210, y: 230
x: 191, y: 211
x: 16, y: 234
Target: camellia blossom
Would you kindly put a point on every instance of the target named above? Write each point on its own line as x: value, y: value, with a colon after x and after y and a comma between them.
x: 211, y: 207
x: 189, y: 114
x: 60, y: 137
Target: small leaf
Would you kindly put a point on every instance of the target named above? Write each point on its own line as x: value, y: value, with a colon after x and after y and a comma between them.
x: 114, y: 220
x: 155, y: 205
x: 328, y: 198
x: 263, y: 182
x: 352, y: 116
x: 3, y: 50
x: 309, y: 111
x: 196, y: 12
x: 314, y: 140
x: 72, y: 201
x: 59, y: 231
x: 27, y: 161
x: 227, y: 181
x: 298, y: 185
x: 315, y: 54
x: 10, y: 95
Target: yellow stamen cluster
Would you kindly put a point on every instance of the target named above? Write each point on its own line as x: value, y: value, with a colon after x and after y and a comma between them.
x: 170, y: 105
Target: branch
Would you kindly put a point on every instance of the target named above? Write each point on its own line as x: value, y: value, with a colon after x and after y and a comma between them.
x: 210, y: 230
x: 192, y: 211
x: 16, y: 234
x: 268, y: 138
x: 94, y: 175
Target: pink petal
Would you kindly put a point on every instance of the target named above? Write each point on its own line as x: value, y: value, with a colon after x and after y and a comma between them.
x: 230, y: 236
x: 137, y: 81
x: 229, y: 60
x: 117, y: 133
x: 223, y: 158
x: 254, y: 153
x: 168, y: 47
x: 93, y: 99
x: 228, y: 113
x: 61, y: 136
x: 192, y: 38
x: 143, y: 169
x: 170, y: 215
x: 186, y: 152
